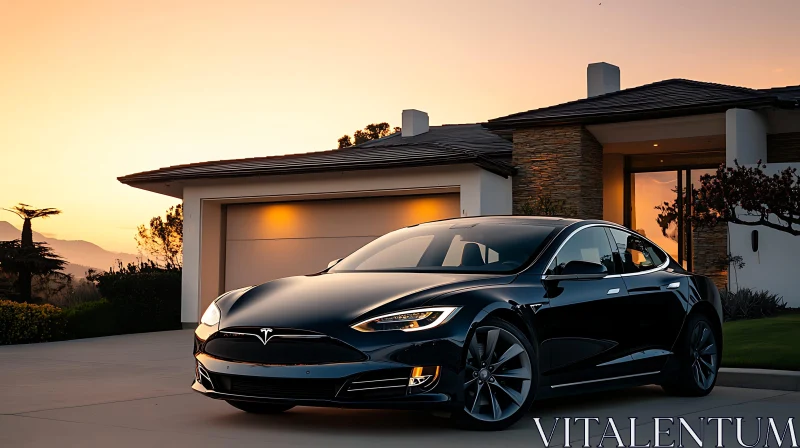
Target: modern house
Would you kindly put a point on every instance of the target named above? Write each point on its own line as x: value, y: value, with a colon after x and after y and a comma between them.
x: 614, y: 155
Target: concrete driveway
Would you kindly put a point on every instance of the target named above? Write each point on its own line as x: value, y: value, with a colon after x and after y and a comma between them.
x: 133, y: 391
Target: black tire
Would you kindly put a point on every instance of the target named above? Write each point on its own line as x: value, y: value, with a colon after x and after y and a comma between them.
x: 260, y: 408
x: 698, y: 354
x: 499, y: 385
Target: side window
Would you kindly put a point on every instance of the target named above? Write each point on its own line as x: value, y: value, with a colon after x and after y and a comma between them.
x: 589, y: 245
x: 637, y: 253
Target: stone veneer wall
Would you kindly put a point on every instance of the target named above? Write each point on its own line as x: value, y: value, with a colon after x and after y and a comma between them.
x: 783, y: 148
x: 709, y: 250
x: 562, y: 162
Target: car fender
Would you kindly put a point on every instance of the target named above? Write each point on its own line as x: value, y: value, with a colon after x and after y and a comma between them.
x: 702, y: 293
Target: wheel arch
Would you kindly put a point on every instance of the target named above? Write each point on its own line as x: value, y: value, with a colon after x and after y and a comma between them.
x: 514, y: 317
x: 509, y: 312
x: 708, y: 311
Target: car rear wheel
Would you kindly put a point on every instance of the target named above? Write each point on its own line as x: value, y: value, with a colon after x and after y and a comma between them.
x: 260, y: 408
x: 698, y: 356
x: 500, y: 377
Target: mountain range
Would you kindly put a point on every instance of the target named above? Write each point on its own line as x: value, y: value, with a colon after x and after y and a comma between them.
x: 81, y: 255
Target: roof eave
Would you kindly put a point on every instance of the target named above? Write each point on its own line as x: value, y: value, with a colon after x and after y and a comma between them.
x: 500, y: 125
x: 484, y: 162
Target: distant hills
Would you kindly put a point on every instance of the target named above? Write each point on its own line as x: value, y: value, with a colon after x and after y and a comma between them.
x: 80, y: 254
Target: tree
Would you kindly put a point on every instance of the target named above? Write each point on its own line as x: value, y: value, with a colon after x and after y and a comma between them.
x: 372, y: 131
x: 544, y: 205
x: 28, y: 260
x: 163, y: 238
x: 28, y: 249
x: 741, y: 195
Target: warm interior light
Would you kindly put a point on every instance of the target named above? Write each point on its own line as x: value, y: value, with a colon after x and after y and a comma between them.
x: 655, y: 144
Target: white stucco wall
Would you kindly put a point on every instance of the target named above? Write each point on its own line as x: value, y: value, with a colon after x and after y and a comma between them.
x: 481, y: 193
x: 775, y: 266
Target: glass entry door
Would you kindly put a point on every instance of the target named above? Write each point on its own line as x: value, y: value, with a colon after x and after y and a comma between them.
x: 651, y: 189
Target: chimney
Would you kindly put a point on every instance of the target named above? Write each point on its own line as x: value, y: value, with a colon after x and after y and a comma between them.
x: 602, y: 78
x: 415, y: 122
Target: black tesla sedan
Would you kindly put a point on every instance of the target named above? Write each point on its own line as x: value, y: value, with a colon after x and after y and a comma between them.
x: 475, y: 316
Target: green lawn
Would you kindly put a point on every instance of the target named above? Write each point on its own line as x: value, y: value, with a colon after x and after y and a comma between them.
x: 769, y: 343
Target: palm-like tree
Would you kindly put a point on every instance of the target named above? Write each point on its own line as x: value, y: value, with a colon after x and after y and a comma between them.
x: 27, y: 214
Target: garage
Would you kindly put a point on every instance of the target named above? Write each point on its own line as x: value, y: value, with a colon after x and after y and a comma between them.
x: 249, y: 221
x: 265, y: 241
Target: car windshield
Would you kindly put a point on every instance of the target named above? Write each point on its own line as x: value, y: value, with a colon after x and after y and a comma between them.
x: 450, y: 247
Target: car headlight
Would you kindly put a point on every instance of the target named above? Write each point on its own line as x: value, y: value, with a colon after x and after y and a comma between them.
x: 412, y: 320
x: 211, y: 316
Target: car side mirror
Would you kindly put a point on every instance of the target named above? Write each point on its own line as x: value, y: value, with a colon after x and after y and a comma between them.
x: 334, y: 262
x: 579, y: 270
x: 580, y: 267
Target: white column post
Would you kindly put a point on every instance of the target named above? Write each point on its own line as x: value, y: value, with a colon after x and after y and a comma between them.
x: 745, y: 137
x: 745, y: 143
x: 484, y: 193
x: 190, y: 280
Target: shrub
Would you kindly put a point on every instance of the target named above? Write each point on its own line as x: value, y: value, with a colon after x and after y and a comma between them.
x: 749, y: 304
x: 136, y: 298
x: 79, y: 292
x: 24, y: 323
x: 91, y: 320
x: 144, y: 297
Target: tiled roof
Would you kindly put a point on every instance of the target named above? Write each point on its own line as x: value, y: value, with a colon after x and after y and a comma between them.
x: 672, y: 97
x: 465, y: 137
x: 792, y: 92
x: 442, y: 145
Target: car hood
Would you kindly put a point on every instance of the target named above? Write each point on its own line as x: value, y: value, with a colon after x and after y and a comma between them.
x: 324, y: 301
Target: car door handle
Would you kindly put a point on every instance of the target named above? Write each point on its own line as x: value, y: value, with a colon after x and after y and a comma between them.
x: 613, y: 291
x: 674, y: 285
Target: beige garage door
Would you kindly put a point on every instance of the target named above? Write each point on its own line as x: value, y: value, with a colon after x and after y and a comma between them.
x: 266, y: 241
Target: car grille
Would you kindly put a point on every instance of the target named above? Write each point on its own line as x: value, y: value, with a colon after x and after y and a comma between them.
x: 290, y: 388
x: 285, y: 347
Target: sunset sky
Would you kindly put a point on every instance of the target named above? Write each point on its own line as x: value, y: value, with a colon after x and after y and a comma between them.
x: 91, y: 90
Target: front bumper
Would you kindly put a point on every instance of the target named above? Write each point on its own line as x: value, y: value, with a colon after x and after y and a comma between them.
x: 422, y: 401
x: 389, y: 361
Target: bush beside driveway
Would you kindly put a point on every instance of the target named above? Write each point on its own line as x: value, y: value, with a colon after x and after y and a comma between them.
x: 136, y: 299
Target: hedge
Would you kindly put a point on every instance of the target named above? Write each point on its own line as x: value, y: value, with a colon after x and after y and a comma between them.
x: 91, y: 320
x: 135, y: 300
x: 25, y: 322
x: 143, y: 298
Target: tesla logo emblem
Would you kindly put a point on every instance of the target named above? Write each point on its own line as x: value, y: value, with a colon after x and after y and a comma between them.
x: 266, y: 332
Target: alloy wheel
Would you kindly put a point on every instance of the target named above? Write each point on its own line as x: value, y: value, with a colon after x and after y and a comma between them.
x: 498, y: 374
x: 704, y: 355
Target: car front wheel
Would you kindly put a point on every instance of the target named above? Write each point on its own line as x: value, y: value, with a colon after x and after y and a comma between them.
x: 500, y: 377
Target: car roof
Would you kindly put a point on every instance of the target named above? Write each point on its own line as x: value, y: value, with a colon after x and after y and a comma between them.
x: 547, y: 221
